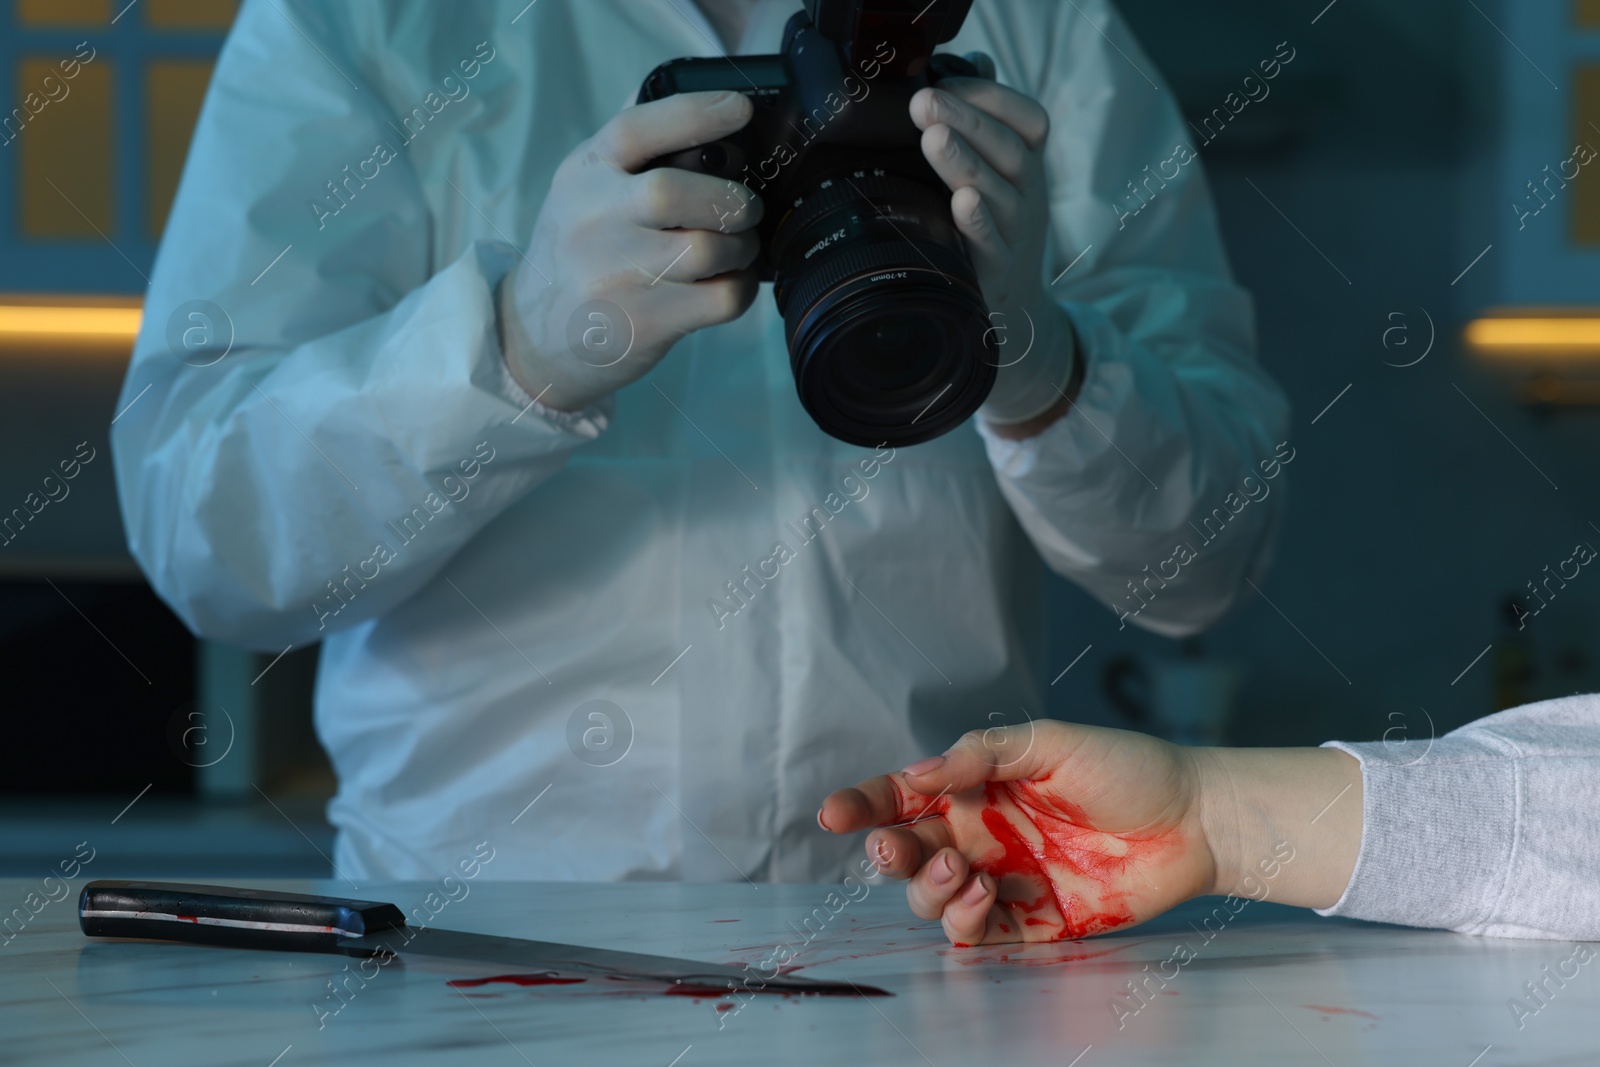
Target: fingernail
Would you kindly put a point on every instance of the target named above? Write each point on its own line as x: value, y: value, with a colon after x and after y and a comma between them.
x: 821, y: 823
x: 923, y: 766
x: 975, y: 892
x: 881, y: 854
x: 942, y: 871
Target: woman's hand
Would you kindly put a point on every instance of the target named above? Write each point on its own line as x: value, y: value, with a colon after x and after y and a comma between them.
x: 1037, y: 833
x: 1051, y: 830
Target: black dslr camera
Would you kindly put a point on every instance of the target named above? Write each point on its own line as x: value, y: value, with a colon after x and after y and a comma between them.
x: 888, y: 332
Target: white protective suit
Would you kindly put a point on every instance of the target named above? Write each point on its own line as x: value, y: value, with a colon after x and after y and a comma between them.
x: 358, y: 469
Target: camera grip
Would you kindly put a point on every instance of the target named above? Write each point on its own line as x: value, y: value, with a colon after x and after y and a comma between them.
x: 720, y: 159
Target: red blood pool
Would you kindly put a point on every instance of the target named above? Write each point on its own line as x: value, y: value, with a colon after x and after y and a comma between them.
x: 697, y: 990
x: 723, y: 1005
x: 543, y: 978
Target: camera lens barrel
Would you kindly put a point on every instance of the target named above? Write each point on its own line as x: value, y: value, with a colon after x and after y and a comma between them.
x: 888, y: 331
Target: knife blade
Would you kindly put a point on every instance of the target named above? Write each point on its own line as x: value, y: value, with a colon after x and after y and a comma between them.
x: 258, y: 918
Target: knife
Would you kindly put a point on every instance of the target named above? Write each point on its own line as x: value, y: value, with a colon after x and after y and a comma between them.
x: 261, y: 918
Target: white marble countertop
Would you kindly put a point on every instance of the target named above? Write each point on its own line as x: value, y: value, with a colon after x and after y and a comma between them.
x: 1271, y: 985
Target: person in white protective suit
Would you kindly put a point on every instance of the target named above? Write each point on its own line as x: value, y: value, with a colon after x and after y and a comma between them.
x: 653, y: 596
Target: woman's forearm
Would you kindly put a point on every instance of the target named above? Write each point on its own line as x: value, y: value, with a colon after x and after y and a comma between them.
x: 1255, y: 800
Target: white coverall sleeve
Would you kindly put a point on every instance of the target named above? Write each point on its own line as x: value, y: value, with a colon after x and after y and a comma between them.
x: 361, y: 384
x: 1491, y: 829
x: 1174, y: 411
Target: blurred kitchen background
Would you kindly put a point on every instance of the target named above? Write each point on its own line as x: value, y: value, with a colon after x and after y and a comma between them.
x: 1402, y: 204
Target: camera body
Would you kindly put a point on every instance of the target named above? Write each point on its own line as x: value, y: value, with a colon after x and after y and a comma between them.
x: 888, y: 331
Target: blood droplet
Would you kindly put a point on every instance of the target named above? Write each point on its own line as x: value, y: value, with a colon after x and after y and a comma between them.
x: 1340, y: 1011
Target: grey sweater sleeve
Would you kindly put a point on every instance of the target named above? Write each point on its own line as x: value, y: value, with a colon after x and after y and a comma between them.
x: 1492, y: 829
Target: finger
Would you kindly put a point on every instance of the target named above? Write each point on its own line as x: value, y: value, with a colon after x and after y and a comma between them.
x: 990, y: 251
x: 694, y: 255
x: 961, y: 167
x: 880, y: 801
x: 646, y: 132
x: 686, y: 307
x: 967, y: 918
x: 669, y: 198
x: 897, y: 853
x: 1022, y: 113
x: 936, y: 882
x: 1001, y: 753
x: 932, y: 833
x: 998, y: 143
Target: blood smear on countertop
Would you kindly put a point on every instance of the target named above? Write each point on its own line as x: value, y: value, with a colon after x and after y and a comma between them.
x: 543, y: 978
x: 1340, y: 1011
x: 635, y: 987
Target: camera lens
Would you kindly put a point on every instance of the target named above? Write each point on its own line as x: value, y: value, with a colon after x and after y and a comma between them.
x: 898, y: 351
x: 888, y: 331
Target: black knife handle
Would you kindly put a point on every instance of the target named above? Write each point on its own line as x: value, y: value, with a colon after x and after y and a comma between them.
x: 223, y: 915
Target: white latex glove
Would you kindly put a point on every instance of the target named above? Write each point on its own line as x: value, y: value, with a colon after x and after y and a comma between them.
x: 987, y: 142
x: 621, y: 263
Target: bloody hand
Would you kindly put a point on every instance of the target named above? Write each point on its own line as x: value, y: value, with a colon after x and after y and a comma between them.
x: 1043, y: 832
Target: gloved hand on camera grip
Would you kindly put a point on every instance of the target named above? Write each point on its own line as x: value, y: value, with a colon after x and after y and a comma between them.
x: 626, y: 259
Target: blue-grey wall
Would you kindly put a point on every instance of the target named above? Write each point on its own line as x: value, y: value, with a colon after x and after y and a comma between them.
x: 1397, y: 153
